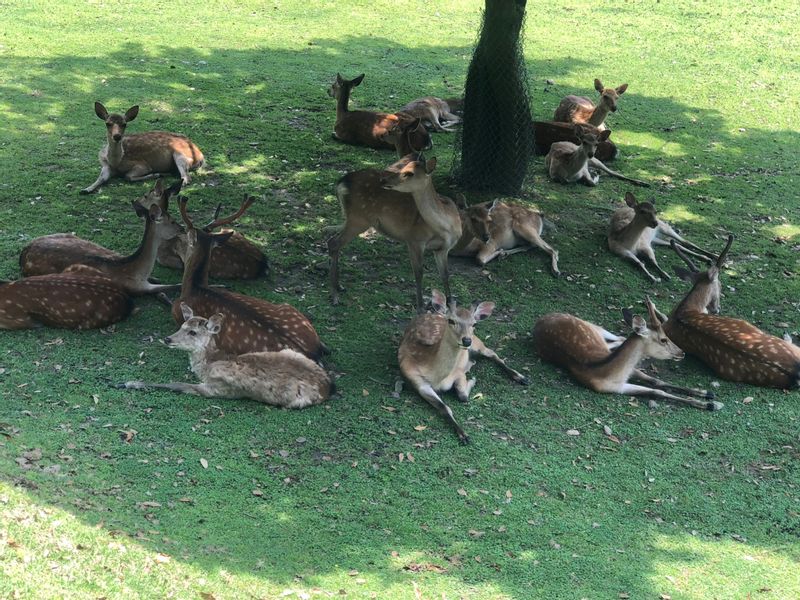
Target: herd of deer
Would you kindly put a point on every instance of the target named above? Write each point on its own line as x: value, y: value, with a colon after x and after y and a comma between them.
x: 247, y: 347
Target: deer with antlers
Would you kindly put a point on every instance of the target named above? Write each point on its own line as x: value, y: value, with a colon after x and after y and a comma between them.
x: 286, y: 378
x: 735, y: 349
x: 402, y: 203
x: 633, y: 230
x: 570, y: 163
x: 252, y: 324
x: 436, y: 350
x: 579, y: 109
x: 399, y: 131
x: 600, y: 361
x: 141, y: 156
x: 63, y: 251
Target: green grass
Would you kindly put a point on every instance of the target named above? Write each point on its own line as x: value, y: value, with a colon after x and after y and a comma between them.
x: 688, y: 504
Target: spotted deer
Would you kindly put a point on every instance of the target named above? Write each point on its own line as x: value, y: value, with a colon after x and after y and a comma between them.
x: 633, y: 230
x: 286, y: 378
x: 434, y: 111
x: 397, y: 131
x: 141, y: 156
x: 402, y: 203
x: 734, y: 349
x: 569, y: 163
x: 436, y: 350
x: 63, y: 300
x: 252, y: 324
x: 237, y: 258
x: 60, y: 251
x: 579, y: 109
x: 599, y: 361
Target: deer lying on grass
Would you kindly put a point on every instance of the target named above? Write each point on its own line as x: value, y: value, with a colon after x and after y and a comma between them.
x: 286, y: 378
x: 401, y: 203
x: 598, y: 361
x: 579, y: 109
x: 252, y: 324
x: 434, y: 111
x: 435, y: 354
x: 64, y: 300
x: 141, y: 156
x: 635, y: 228
x: 500, y: 228
x: 569, y: 163
x: 63, y: 251
x: 380, y: 130
x: 735, y: 349
x: 546, y: 133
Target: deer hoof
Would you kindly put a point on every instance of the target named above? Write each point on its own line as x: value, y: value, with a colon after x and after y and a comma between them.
x: 523, y: 380
x: 86, y: 191
x: 709, y: 395
x: 715, y: 405
x: 463, y: 438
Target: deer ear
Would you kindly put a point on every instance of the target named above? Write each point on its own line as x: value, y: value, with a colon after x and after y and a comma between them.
x: 639, y: 326
x: 186, y: 311
x: 627, y: 316
x: 684, y: 274
x: 713, y: 273
x: 604, y: 135
x: 358, y: 80
x: 100, y: 111
x: 438, y: 302
x: 621, y: 89
x: 214, y: 323
x: 222, y: 237
x: 131, y: 113
x: 430, y: 165
x: 173, y: 189
x: 630, y: 199
x: 598, y: 85
x: 483, y: 311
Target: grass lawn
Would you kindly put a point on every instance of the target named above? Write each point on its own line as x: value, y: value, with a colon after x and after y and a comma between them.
x: 370, y: 495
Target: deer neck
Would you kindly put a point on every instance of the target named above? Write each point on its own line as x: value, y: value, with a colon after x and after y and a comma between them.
x: 195, y: 271
x: 632, y: 231
x: 438, y: 212
x: 449, y: 349
x: 139, y: 265
x: 696, y: 301
x: 622, y: 360
x: 114, y: 151
x: 200, y: 360
x: 342, y: 102
x: 577, y: 160
x: 598, y: 115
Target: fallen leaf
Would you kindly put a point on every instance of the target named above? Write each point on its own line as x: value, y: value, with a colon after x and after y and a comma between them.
x: 462, y: 492
x: 421, y: 427
x: 207, y: 596
x: 747, y: 400
x: 204, y: 463
x: 258, y: 493
x: 389, y: 408
x: 607, y: 430
x: 573, y: 432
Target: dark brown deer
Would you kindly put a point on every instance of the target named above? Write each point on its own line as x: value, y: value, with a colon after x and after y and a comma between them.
x: 393, y: 131
x: 141, y: 156
x: 252, y: 324
x: 64, y: 300
x: 598, y: 361
x: 60, y: 251
x: 578, y: 109
x: 735, y: 349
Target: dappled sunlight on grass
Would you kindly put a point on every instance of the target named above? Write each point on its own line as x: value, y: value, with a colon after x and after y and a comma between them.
x: 786, y: 231
x: 680, y: 213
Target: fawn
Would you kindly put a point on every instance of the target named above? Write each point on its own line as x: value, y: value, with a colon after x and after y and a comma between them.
x: 578, y: 109
x: 434, y: 111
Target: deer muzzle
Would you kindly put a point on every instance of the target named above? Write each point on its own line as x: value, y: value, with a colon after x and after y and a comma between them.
x: 466, y: 342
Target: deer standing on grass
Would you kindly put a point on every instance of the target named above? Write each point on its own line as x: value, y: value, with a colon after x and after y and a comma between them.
x: 634, y: 229
x: 434, y: 111
x: 141, y: 156
x: 61, y: 251
x: 579, y: 109
x: 401, y: 203
x: 735, y: 349
x: 64, y: 300
x: 252, y: 324
x: 598, y: 360
x: 380, y: 130
x: 286, y: 378
x: 436, y: 349
x: 502, y: 229
x: 569, y: 163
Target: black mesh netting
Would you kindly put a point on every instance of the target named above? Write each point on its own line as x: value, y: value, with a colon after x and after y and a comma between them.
x: 496, y: 138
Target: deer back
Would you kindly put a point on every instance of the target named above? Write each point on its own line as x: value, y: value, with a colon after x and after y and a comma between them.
x: 574, y: 109
x: 238, y: 258
x: 54, y: 253
x: 157, y: 150
x: 567, y: 341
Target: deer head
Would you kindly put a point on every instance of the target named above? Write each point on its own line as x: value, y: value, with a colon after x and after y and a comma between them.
x: 656, y: 343
x: 609, y: 96
x: 480, y: 219
x: 589, y: 139
x: 341, y: 85
x: 646, y: 211
x: 196, y: 333
x: 460, y: 320
x: 115, y: 123
x: 412, y: 172
x: 706, y: 287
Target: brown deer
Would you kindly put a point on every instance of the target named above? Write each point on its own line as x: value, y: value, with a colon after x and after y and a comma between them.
x: 569, y: 163
x: 598, y: 361
x: 64, y: 300
x: 60, y: 251
x: 237, y: 258
x: 735, y: 349
x: 286, y: 378
x: 252, y: 324
x: 398, y: 131
x: 578, y: 109
x: 500, y: 228
x: 435, y: 354
x: 141, y: 156
x: 634, y: 229
x: 401, y: 203
x: 434, y: 111
x: 546, y: 133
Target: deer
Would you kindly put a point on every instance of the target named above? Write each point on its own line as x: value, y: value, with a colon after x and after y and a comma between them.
x: 546, y: 133
x: 142, y: 156
x: 633, y: 230
x: 63, y: 300
x: 237, y: 258
x: 569, y: 163
x: 397, y: 131
x: 434, y: 111
x: 252, y: 324
x: 63, y: 251
x: 501, y: 229
x: 436, y: 350
x: 285, y: 378
x: 402, y: 203
x: 600, y: 362
x: 734, y: 349
x: 578, y: 109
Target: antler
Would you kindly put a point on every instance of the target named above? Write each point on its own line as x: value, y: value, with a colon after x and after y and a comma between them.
x: 692, y: 267
x: 722, y: 256
x: 217, y: 222
x: 182, y: 200
x: 651, y: 310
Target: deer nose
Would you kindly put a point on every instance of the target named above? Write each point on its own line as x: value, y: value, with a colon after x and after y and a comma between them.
x: 168, y: 341
x: 466, y: 342
x: 679, y: 355
x: 613, y: 109
x: 117, y: 137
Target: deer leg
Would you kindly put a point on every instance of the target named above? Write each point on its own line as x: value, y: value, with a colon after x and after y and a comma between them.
x: 666, y: 230
x: 415, y: 254
x: 463, y: 387
x: 197, y: 389
x: 183, y: 163
x: 595, y: 163
x: 533, y: 237
x: 441, y: 263
x: 635, y: 260
x: 430, y: 396
x: 640, y: 375
x: 478, y: 347
x: 648, y: 252
x: 488, y: 252
x: 336, y: 242
x: 630, y: 389
x: 105, y: 175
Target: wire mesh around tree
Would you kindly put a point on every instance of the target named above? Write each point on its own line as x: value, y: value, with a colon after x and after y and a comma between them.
x: 496, y: 137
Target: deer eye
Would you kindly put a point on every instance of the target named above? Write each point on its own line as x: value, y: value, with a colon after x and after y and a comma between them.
x: 192, y: 332
x: 451, y: 321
